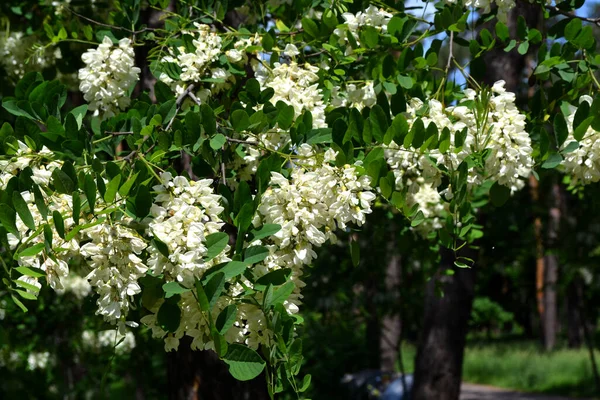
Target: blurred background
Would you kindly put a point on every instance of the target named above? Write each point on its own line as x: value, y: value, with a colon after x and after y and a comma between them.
x: 533, y: 325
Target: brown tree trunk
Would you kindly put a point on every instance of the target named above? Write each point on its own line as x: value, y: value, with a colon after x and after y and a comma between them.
x: 200, y: 375
x: 574, y: 317
x: 438, y: 367
x: 550, y: 314
x: 391, y: 324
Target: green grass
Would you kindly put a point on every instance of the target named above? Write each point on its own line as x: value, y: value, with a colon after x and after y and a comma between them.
x: 526, y: 367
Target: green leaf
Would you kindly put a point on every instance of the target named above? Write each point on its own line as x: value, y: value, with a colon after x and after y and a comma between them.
x: 560, y: 129
x: 31, y: 271
x: 111, y: 189
x: 305, y: 383
x: 230, y: 269
x: 255, y: 254
x: 275, y: 278
x: 76, y: 208
x: 89, y: 187
x: 24, y: 294
x: 8, y: 219
x: 18, y: 303
x: 369, y: 36
x: 379, y: 122
x: 502, y: 31
x: 126, y: 187
x: 173, y: 288
x: 240, y: 120
x: 79, y: 113
x: 23, y: 210
x: 143, y: 202
x: 59, y: 223
x: 62, y: 182
x: 213, y: 288
x: 552, y: 161
x: 282, y: 293
x: 215, y: 244
x: 226, y: 319
x: 285, y: 116
x: 265, y: 231
x: 499, y: 194
x: 310, y: 27
x: 572, y: 29
x: 40, y: 202
x: 418, y: 219
x: 202, y: 298
x: 31, y: 251
x: 244, y: 363
x: 244, y: 217
x: 217, y: 141
x: 168, y: 316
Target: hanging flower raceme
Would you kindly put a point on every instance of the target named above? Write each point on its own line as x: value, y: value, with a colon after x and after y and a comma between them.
x: 372, y: 16
x: 583, y: 163
x: 108, y: 76
x: 487, y: 127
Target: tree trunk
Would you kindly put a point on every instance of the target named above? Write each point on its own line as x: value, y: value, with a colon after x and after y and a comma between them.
x: 574, y: 317
x: 200, y: 375
x: 438, y: 367
x: 391, y: 324
x: 550, y: 314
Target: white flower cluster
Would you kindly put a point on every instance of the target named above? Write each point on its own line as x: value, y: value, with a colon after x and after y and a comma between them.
x: 500, y: 131
x: 184, y: 214
x: 239, y: 53
x: 583, y: 163
x: 354, y: 96
x: 196, y: 65
x: 15, y: 50
x: 113, y: 255
x: 372, y: 16
x: 109, y: 338
x: 310, y: 206
x: 432, y: 206
x: 108, y: 76
x: 297, y: 86
x: 56, y: 267
x: 38, y: 360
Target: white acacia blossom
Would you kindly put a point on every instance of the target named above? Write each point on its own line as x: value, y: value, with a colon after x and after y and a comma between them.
x: 498, y: 137
x: 18, y: 56
x: 310, y: 206
x: 184, y: 213
x: 583, y: 163
x: 354, y: 96
x: 108, y: 76
x: 114, y: 258
x: 372, y: 16
x: 296, y: 85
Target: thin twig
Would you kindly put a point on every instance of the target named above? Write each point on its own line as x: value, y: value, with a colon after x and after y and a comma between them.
x: 223, y: 181
x: 232, y: 140
x: 450, y: 55
x: 108, y: 25
x: 118, y: 133
x: 572, y: 16
x: 178, y: 102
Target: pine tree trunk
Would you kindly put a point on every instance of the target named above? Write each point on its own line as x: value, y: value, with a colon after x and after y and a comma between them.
x: 438, y: 367
x: 391, y: 324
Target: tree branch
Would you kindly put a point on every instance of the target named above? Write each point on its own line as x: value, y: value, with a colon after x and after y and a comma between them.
x: 557, y: 10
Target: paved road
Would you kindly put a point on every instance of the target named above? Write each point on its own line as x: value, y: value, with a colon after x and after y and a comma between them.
x: 481, y: 392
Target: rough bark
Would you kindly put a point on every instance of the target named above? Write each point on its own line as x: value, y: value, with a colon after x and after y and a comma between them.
x: 551, y: 261
x: 438, y: 367
x: 200, y: 375
x: 391, y: 324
